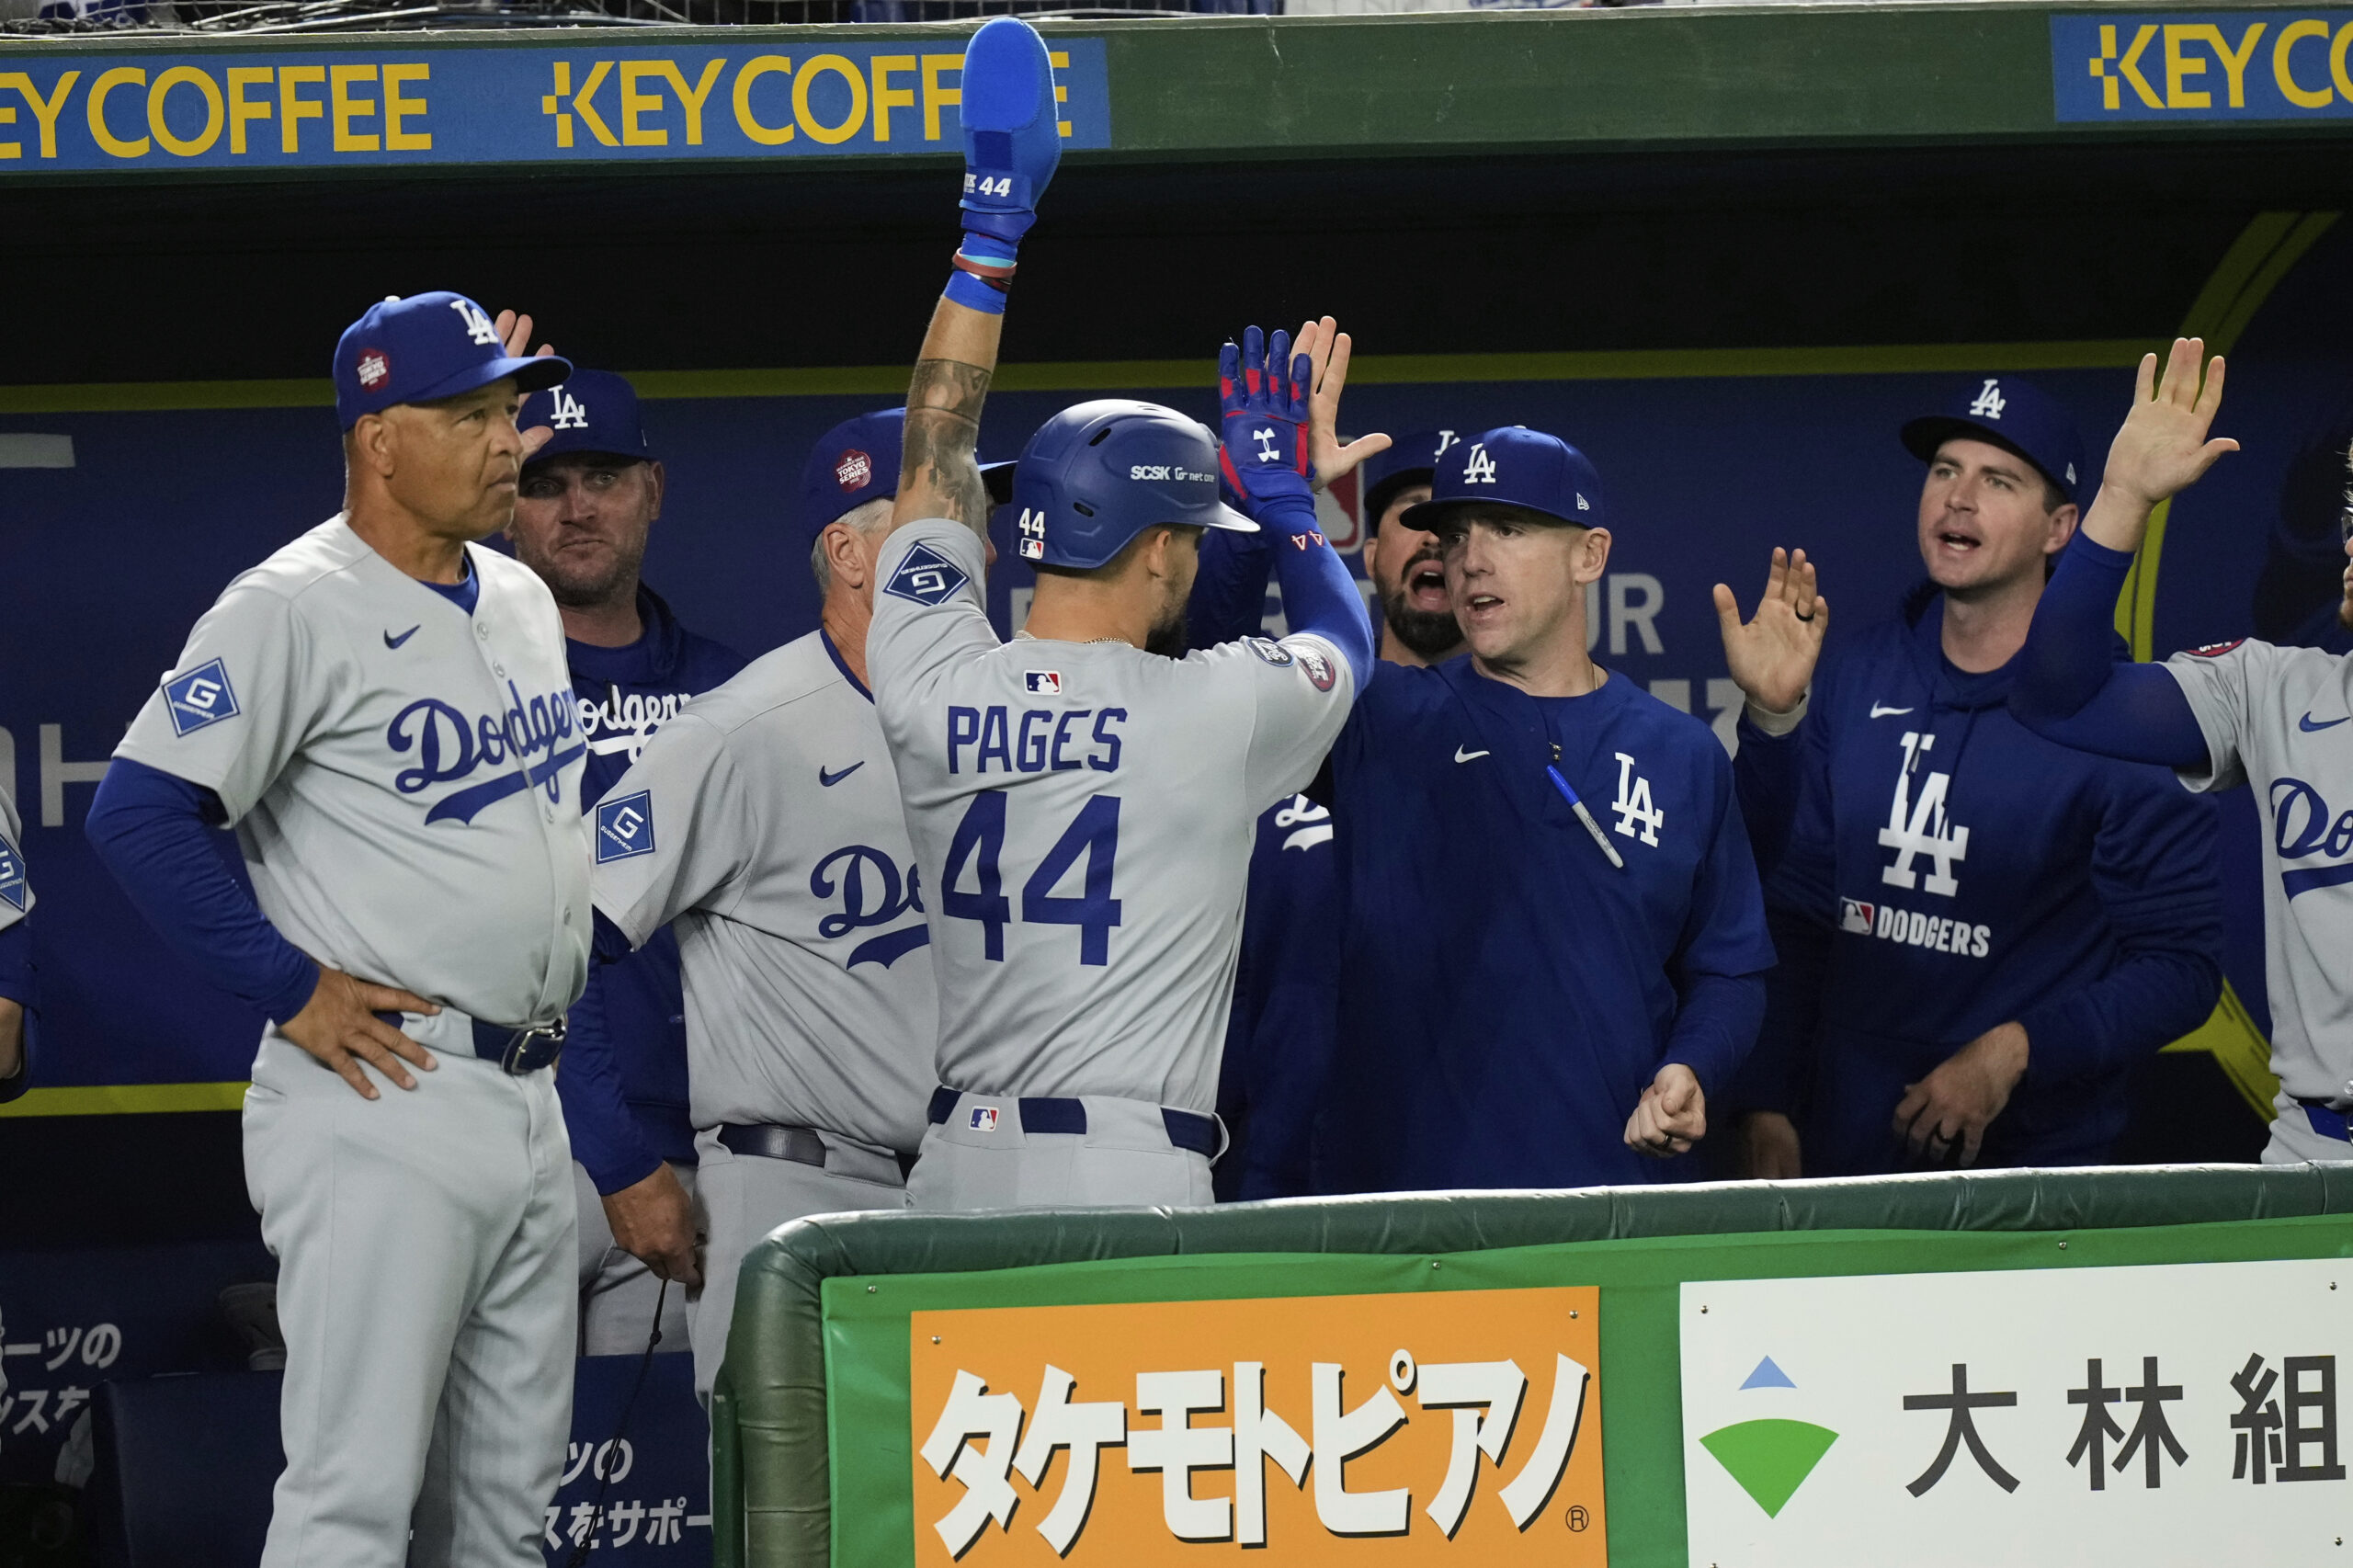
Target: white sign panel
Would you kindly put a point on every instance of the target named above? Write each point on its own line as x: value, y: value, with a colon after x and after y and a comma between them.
x: 2178, y: 1414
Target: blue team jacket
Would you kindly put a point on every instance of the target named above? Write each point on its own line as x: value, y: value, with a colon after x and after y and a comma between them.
x: 1505, y: 993
x: 1936, y: 869
x: 627, y: 1110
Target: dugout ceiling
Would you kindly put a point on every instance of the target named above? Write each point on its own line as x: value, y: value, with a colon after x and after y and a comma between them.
x: 1687, y: 178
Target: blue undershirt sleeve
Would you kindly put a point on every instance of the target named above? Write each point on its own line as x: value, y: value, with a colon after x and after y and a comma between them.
x: 1715, y: 1028
x: 2074, y: 687
x: 16, y: 985
x: 1319, y: 596
x: 1229, y: 598
x: 605, y: 1135
x: 155, y: 832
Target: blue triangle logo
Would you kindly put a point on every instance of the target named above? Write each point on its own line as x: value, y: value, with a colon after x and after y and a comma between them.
x: 1769, y: 1376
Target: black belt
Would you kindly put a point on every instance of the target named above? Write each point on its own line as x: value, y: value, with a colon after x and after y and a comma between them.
x: 799, y: 1144
x: 517, y: 1048
x: 1186, y: 1129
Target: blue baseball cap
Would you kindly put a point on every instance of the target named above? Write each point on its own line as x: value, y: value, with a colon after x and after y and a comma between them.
x: 1410, y: 460
x: 592, y: 411
x: 1513, y: 467
x: 424, y: 348
x: 858, y: 461
x: 2012, y: 413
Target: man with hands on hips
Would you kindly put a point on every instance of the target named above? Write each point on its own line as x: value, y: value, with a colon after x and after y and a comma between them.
x: 1981, y: 932
x: 383, y: 711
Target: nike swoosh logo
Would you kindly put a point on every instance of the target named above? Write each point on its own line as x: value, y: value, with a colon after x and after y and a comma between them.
x: 1462, y: 756
x: 393, y: 641
x: 1880, y: 712
x: 2306, y: 724
x: 829, y: 779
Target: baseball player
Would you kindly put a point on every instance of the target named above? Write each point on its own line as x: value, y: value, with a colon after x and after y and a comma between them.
x: 18, y: 1002
x: 589, y: 497
x: 1082, y: 810
x: 1982, y: 933
x: 1555, y: 944
x: 765, y: 820
x: 381, y: 710
x: 1404, y: 563
x: 2244, y: 712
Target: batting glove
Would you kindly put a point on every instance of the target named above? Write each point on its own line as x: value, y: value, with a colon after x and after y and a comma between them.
x: 1264, y: 415
x: 1012, y: 144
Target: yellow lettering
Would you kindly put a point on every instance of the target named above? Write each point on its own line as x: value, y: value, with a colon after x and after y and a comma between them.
x: 2179, y: 65
x: 349, y: 108
x: 2235, y: 66
x: 2336, y: 61
x: 2130, y: 66
x: 691, y: 99
x: 1059, y: 59
x: 397, y: 108
x: 553, y: 102
x: 44, y: 110
x: 10, y: 149
x: 293, y: 109
x: 241, y: 107
x: 2282, y: 66
x: 583, y: 104
x: 114, y: 146
x: 833, y: 65
x: 937, y: 98
x: 766, y: 135
x: 635, y: 103
x: 215, y: 112
x: 886, y: 96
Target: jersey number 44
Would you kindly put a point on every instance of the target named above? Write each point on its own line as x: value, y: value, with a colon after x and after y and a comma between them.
x: 979, y: 847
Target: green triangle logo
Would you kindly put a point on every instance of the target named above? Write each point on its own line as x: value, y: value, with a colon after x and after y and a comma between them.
x: 1769, y: 1458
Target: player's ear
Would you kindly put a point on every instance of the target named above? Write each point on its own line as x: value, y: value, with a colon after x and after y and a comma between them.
x: 2063, y: 521
x: 656, y: 479
x: 1593, y: 555
x: 373, y: 442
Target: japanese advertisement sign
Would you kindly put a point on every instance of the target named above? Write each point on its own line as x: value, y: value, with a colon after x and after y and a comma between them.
x: 505, y: 105
x: 2188, y: 65
x: 1390, y: 1429
x: 2169, y: 1414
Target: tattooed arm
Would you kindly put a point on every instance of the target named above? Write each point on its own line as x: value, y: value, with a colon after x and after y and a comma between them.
x: 938, y: 475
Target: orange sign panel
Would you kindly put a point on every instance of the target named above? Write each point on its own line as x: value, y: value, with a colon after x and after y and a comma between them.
x: 1454, y: 1427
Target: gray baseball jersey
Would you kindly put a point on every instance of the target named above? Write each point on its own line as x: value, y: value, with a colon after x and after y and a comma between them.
x: 1083, y: 813
x: 405, y: 777
x: 16, y: 890
x: 765, y: 820
x: 2281, y: 718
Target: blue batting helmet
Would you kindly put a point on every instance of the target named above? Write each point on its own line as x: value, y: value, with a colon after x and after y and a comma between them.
x: 1097, y: 474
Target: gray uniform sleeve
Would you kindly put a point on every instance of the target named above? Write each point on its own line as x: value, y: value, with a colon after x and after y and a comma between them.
x: 928, y: 613
x: 678, y: 831
x: 15, y: 887
x: 2218, y: 684
x: 1298, y: 692
x: 245, y: 693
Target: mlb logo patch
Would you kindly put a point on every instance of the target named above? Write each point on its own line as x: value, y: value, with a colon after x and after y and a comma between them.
x: 1857, y: 916
x: 12, y: 877
x: 926, y: 577
x: 200, y: 698
x: 1044, y: 683
x: 982, y: 1118
x: 1319, y: 670
x: 853, y: 471
x: 625, y: 827
x: 1033, y: 550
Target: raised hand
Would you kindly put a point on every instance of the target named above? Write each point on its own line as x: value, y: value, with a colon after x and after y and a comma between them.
x: 1772, y: 656
x: 1262, y: 393
x: 2163, y: 447
x: 1328, y: 348
x: 515, y: 331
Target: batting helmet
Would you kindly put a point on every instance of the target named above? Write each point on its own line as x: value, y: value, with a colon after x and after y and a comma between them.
x: 1097, y: 474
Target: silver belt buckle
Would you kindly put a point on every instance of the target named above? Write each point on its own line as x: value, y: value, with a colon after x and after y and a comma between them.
x: 522, y: 1052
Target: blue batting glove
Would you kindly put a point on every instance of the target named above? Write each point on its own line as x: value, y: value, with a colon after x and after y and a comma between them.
x: 1012, y: 140
x: 1264, y: 415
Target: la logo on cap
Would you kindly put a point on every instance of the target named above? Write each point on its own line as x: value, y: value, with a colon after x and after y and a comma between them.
x: 373, y: 368
x: 854, y: 471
